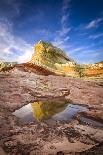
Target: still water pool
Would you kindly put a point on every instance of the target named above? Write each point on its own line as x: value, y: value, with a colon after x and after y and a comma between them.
x: 51, y: 111
x: 44, y: 110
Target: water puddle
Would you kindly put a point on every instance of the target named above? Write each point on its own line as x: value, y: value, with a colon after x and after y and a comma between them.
x: 50, y: 112
x: 45, y: 110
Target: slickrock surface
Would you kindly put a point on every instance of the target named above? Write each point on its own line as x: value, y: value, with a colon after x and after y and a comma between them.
x: 18, y: 88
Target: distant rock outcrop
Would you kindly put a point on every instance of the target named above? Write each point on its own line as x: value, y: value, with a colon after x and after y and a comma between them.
x: 93, y: 70
x: 6, y: 65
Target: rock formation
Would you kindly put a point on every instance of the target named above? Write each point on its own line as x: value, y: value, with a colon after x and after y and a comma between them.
x: 5, y: 65
x: 48, y: 59
x: 31, y: 82
x: 95, y: 70
x: 45, y: 51
x: 19, y: 87
x: 54, y: 59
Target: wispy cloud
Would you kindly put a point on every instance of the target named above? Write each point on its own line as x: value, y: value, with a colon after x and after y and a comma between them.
x: 76, y: 50
x: 94, y: 23
x: 88, y: 56
x: 44, y: 32
x: 65, y: 5
x: 66, y: 38
x: 13, y: 48
x: 95, y: 36
x: 62, y: 34
x: 15, y: 5
x: 64, y: 18
x: 65, y: 14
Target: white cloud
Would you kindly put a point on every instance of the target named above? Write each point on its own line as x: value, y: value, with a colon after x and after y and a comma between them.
x: 78, y: 49
x: 88, y: 56
x: 94, y: 23
x: 62, y: 34
x: 65, y: 5
x: 66, y: 38
x: 14, y: 5
x: 13, y: 48
x: 95, y: 36
x: 43, y: 32
x: 64, y: 18
x: 64, y: 31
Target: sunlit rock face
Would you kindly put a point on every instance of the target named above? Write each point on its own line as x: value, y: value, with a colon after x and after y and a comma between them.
x: 93, y: 70
x: 46, y: 52
x: 50, y: 60
x: 53, y: 58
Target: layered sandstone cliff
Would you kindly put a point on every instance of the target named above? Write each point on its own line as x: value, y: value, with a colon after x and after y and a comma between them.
x: 48, y: 59
x: 53, y: 58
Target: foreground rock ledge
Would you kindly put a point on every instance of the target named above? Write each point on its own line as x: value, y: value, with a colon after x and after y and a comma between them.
x: 18, y: 88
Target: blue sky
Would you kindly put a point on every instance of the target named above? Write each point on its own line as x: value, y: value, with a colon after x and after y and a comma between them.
x: 76, y: 26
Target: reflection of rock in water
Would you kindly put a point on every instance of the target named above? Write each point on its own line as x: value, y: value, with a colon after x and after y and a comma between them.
x: 44, y: 110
